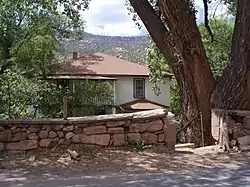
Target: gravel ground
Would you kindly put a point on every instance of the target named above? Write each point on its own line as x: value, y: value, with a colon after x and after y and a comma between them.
x: 109, y: 167
x: 230, y: 175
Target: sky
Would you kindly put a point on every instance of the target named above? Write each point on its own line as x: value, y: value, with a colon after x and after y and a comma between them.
x: 110, y: 17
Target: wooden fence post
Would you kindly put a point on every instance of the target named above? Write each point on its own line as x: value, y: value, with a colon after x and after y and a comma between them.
x: 65, y: 107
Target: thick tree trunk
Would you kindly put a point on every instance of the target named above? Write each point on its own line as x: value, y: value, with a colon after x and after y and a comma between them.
x: 233, y: 89
x: 190, y: 72
x: 197, y: 74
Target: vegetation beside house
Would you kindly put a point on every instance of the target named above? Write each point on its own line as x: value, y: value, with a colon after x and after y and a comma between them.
x: 123, y: 85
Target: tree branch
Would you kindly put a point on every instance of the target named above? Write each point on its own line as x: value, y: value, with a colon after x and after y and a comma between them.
x: 155, y: 27
x: 207, y: 21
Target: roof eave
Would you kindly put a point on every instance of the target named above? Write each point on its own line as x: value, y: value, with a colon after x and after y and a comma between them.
x: 104, y: 75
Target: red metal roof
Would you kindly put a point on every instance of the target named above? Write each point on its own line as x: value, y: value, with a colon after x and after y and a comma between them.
x: 102, y: 65
x: 142, y: 104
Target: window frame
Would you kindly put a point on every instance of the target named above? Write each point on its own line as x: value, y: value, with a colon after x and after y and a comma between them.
x: 135, y: 87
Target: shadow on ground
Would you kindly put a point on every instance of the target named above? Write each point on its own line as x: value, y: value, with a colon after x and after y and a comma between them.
x: 125, y: 168
x: 218, y: 176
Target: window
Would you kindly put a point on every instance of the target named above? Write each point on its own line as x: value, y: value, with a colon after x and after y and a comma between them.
x: 139, y: 88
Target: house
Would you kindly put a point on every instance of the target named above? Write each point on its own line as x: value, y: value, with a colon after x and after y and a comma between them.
x: 130, y: 81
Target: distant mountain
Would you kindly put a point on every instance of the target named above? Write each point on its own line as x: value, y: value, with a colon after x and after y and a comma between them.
x: 89, y: 36
x: 129, y: 48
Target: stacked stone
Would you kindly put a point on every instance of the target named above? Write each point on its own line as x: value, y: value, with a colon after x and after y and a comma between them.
x: 119, y: 132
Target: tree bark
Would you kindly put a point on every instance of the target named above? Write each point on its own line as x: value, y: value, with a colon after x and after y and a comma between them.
x: 197, y: 73
x: 186, y: 70
x: 233, y: 89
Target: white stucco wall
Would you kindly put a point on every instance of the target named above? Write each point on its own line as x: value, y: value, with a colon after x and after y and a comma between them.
x: 124, y: 91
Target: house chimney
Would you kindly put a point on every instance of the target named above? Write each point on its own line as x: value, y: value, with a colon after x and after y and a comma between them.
x: 75, y: 55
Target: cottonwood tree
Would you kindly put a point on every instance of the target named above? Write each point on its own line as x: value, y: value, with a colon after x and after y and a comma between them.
x: 217, y: 53
x: 172, y: 26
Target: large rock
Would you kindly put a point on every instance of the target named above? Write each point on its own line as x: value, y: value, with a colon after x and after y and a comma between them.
x: 58, y: 127
x: 16, y: 130
x: 68, y: 128
x: 47, y: 127
x: 19, y: 136
x: 170, y: 130
x: 76, y: 138
x: 43, y: 134
x: 119, y: 140
x: 66, y: 142
x: 34, y: 129
x: 33, y: 136
x: 159, y: 132
x: 60, y: 134
x: 149, y: 138
x: 213, y: 150
x: 246, y: 122
x: 45, y: 143
x: 244, y: 140
x: 102, y: 139
x: 69, y: 135
x: 118, y: 130
x: 78, y: 130
x: 95, y: 130
x: 61, y: 141
x: 115, y: 123
x: 55, y: 140
x: 5, y: 136
x: 161, y: 138
x: 134, y: 138
x: 52, y: 134
x: 22, y: 145
x: 152, y: 126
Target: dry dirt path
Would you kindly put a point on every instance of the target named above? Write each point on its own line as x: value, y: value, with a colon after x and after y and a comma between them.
x: 123, y: 168
x: 230, y: 176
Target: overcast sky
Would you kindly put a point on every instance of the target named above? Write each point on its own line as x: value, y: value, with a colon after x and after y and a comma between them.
x: 110, y: 17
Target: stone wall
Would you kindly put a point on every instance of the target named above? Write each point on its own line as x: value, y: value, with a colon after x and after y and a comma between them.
x: 151, y: 127
x: 238, y: 127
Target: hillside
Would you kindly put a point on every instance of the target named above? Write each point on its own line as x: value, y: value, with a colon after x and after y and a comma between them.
x: 130, y: 48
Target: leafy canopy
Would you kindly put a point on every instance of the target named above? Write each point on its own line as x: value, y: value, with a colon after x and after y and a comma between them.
x: 30, y: 38
x: 36, y: 25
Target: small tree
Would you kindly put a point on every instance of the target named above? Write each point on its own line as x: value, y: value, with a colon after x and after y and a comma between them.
x: 90, y: 97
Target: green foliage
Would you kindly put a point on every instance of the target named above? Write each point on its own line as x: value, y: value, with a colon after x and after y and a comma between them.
x: 24, y: 22
x: 158, y: 65
x: 49, y: 99
x: 217, y: 53
x: 38, y: 49
x: 175, y: 99
x: 30, y: 34
x: 231, y: 5
x: 16, y: 92
x: 140, y: 146
x: 89, y: 95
